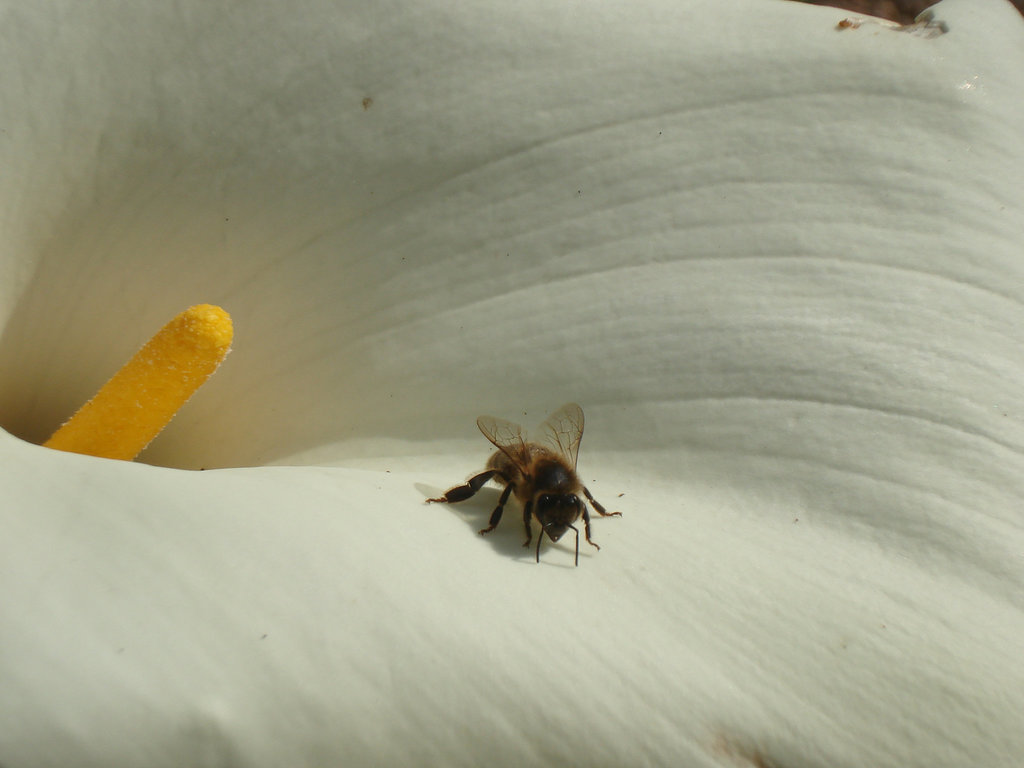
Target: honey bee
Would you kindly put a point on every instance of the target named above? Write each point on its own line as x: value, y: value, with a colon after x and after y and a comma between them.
x: 543, y: 477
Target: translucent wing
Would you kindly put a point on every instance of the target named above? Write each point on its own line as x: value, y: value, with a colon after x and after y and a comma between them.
x: 563, y: 429
x: 508, y: 438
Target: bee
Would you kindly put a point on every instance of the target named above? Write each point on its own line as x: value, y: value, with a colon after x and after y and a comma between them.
x: 543, y: 477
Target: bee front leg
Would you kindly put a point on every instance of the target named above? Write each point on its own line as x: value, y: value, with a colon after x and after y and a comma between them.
x: 586, y: 524
x: 527, y: 514
x: 463, y: 492
x: 600, y: 509
x: 496, y: 514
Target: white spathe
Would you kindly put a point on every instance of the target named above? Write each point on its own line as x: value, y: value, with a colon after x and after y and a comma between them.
x: 778, y: 264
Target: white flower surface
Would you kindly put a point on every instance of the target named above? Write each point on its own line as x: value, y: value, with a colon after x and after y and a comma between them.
x: 779, y: 264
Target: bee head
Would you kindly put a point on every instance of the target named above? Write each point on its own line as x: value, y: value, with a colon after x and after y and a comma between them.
x: 557, y: 512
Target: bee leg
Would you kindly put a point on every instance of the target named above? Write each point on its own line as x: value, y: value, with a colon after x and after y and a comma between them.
x: 586, y: 527
x: 463, y: 492
x: 496, y: 514
x: 600, y: 510
x: 527, y: 514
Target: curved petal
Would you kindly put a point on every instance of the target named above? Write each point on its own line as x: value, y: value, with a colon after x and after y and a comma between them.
x: 783, y: 280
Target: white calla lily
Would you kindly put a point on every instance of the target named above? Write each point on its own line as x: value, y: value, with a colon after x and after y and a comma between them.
x: 777, y: 262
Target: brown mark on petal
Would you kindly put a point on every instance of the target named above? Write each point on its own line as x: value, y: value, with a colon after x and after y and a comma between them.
x: 900, y: 11
x: 742, y: 755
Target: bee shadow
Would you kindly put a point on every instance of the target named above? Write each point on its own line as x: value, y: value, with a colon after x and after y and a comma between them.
x: 507, y: 538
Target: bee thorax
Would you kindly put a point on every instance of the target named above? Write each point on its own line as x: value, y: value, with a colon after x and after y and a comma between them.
x: 554, y: 477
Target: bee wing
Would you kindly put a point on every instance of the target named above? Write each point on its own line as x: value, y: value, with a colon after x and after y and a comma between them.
x: 508, y: 438
x: 563, y: 429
